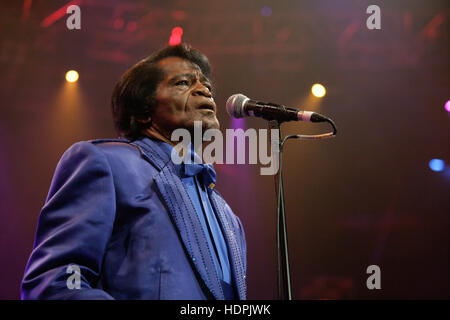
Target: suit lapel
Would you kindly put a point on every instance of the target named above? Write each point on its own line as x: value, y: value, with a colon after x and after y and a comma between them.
x: 183, y: 215
x: 236, y: 255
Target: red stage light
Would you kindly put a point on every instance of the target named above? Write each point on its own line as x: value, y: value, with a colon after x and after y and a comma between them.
x: 131, y: 26
x: 177, y: 31
x: 118, y: 23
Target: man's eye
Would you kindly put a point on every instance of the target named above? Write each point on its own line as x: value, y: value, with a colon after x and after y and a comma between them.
x: 182, y: 83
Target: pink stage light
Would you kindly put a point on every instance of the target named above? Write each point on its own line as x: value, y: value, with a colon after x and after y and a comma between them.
x: 176, y: 35
x: 447, y: 106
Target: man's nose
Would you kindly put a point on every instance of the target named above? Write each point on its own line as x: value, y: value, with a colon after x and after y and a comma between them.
x: 202, y: 90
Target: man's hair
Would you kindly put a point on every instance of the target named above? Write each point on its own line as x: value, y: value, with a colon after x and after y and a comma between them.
x: 134, y: 96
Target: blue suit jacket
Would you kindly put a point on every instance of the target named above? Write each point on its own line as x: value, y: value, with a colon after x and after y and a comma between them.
x: 119, y: 211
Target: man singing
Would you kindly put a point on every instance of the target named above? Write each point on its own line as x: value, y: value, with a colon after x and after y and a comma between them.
x: 122, y: 220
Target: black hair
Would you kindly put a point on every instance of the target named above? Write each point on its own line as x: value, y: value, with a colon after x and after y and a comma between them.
x: 134, y: 95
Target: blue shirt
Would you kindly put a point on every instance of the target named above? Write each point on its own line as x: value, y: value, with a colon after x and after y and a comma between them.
x: 198, y: 192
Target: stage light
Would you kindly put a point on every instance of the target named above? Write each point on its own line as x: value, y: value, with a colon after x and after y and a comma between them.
x: 118, y: 23
x: 131, y: 26
x: 72, y: 76
x: 447, y: 106
x: 177, y: 31
x: 436, y: 165
x: 318, y: 90
x: 266, y: 11
x: 175, y: 37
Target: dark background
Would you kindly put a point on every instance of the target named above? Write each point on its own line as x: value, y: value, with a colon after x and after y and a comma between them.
x: 366, y: 197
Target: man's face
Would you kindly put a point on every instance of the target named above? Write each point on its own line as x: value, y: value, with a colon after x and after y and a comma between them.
x: 184, y: 96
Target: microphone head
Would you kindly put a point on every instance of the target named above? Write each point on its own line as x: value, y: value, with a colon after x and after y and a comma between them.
x: 235, y: 105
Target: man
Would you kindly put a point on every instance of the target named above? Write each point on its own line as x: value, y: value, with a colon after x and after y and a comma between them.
x: 135, y: 224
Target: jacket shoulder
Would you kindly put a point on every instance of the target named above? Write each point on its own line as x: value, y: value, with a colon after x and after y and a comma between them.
x: 114, y: 145
x: 112, y: 149
x: 119, y: 152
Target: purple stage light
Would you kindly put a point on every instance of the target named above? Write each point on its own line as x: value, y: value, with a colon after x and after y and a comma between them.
x: 266, y: 11
x: 238, y: 123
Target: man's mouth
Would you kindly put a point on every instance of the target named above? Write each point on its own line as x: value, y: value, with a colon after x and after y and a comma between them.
x: 206, y: 106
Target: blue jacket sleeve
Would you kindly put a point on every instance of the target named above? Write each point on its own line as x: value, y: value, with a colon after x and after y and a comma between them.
x: 74, y: 228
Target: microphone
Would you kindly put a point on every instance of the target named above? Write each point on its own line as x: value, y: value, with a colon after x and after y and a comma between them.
x: 239, y: 106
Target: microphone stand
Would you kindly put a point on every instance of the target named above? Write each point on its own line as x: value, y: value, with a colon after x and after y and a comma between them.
x: 283, y: 271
